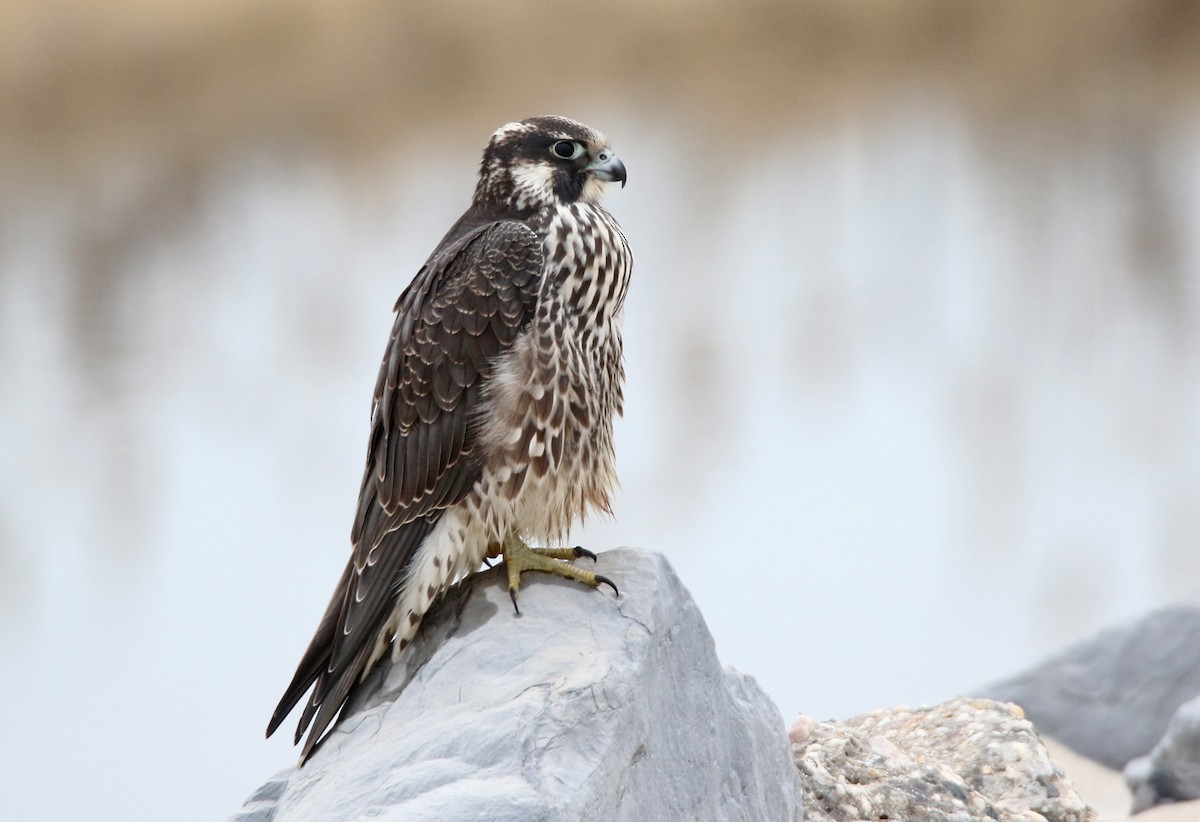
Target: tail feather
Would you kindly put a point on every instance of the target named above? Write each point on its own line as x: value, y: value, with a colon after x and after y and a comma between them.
x: 331, y: 702
x: 338, y: 652
x: 315, y: 658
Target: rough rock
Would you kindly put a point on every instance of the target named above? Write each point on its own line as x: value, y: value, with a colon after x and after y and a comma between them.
x: 968, y: 759
x: 1112, y: 696
x: 1101, y: 787
x: 584, y: 706
x: 1171, y: 772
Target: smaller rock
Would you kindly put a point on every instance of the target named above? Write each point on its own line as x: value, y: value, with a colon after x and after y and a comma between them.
x: 1111, y: 696
x: 1170, y: 772
x: 801, y: 728
x: 968, y: 759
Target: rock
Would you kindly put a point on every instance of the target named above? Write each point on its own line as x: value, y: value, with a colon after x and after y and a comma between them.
x: 1111, y: 697
x: 968, y: 759
x: 801, y: 728
x: 1171, y: 772
x: 1101, y: 787
x: 585, y: 706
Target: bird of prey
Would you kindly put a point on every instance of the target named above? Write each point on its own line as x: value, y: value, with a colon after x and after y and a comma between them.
x: 491, y: 422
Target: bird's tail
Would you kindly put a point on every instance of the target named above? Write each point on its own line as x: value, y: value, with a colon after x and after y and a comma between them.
x: 338, y: 653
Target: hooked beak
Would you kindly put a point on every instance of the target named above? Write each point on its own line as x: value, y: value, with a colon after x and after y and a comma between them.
x: 608, y: 166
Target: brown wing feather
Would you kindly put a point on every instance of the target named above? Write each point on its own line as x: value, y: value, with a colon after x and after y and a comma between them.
x: 466, y: 305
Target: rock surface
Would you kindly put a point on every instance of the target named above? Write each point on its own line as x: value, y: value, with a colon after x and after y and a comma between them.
x: 582, y: 707
x: 1171, y: 772
x: 1111, y: 697
x: 968, y: 759
x: 1102, y: 788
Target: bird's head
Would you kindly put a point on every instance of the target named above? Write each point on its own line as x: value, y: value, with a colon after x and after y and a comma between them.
x: 545, y: 161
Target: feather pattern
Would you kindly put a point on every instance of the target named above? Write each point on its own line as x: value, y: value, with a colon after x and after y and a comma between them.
x: 422, y: 454
x: 492, y: 412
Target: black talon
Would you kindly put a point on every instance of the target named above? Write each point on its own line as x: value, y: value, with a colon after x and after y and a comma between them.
x: 583, y: 552
x: 488, y: 564
x: 606, y: 581
x: 512, y: 593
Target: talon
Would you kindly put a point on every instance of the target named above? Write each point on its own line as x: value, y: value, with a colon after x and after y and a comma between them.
x: 602, y: 580
x: 519, y: 558
x: 488, y: 564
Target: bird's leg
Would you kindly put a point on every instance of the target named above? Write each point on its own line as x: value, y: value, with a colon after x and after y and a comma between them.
x: 494, y: 550
x: 519, y: 558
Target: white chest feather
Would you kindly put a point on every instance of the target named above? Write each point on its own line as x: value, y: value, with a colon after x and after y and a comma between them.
x: 553, y: 397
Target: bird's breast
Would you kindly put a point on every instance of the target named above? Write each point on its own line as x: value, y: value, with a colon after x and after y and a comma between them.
x: 552, y: 397
x: 587, y: 266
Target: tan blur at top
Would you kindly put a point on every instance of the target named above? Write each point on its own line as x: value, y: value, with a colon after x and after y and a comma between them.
x: 77, y: 77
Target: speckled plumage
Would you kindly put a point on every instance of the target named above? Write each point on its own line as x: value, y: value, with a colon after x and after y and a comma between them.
x: 492, y: 414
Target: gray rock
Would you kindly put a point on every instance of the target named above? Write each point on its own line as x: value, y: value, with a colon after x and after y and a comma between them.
x: 1111, y: 697
x: 1171, y: 772
x: 585, y: 706
x: 968, y: 759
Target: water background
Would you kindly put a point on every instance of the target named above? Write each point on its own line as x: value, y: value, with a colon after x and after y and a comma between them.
x: 913, y: 342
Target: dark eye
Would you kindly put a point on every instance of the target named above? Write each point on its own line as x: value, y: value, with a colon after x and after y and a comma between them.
x: 566, y: 150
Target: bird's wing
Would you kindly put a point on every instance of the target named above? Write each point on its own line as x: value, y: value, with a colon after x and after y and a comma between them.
x: 466, y: 305
x: 451, y: 323
x: 422, y: 455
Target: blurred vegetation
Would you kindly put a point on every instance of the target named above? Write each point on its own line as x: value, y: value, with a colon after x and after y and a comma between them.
x: 79, y: 77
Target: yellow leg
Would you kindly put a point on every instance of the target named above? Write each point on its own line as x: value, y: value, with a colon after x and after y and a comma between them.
x: 519, y: 558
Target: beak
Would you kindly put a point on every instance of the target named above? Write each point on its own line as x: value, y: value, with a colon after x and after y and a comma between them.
x: 608, y: 166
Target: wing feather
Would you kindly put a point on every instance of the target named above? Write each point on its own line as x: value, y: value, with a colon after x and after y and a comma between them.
x: 419, y: 474
x: 469, y: 302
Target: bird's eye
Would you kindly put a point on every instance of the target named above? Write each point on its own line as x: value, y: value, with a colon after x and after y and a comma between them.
x: 566, y: 149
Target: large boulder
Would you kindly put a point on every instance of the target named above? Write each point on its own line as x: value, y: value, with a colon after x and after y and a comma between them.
x: 584, y: 706
x: 968, y: 759
x: 1112, y: 696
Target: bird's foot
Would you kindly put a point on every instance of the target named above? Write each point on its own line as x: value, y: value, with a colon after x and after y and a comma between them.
x: 519, y: 558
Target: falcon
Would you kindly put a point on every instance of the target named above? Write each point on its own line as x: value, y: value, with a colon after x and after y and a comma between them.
x: 491, y: 421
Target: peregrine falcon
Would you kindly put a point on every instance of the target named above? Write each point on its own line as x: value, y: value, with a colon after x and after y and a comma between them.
x: 491, y: 422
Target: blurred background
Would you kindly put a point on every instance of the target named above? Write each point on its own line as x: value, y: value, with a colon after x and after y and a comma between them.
x: 913, y: 343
